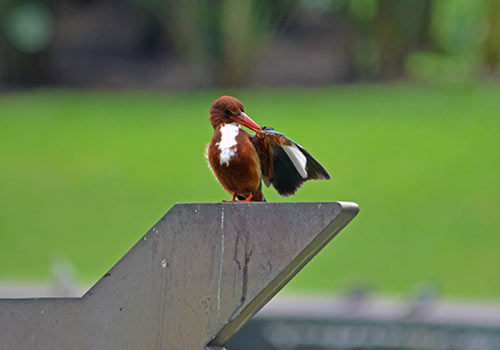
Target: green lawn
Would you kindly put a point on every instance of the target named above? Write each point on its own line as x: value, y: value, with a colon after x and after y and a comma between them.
x: 85, y: 174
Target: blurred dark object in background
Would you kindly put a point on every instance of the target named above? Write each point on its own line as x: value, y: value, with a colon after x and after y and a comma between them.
x: 26, y: 37
x: 370, y: 323
x: 190, y: 44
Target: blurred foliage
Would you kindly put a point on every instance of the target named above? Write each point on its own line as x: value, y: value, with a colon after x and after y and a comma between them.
x: 384, y: 33
x: 456, y: 25
x: 26, y: 34
x: 434, y: 41
x: 466, y: 42
x: 29, y: 28
x: 456, y: 28
x: 222, y: 37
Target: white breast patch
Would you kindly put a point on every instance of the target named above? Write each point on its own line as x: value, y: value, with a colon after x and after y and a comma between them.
x: 227, y: 143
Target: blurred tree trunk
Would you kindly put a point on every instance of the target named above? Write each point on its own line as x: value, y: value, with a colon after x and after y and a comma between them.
x: 400, y: 27
x: 491, y: 46
x: 245, y: 32
x: 186, y: 23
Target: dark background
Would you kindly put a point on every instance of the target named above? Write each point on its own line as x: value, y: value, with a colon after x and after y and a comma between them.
x: 193, y: 44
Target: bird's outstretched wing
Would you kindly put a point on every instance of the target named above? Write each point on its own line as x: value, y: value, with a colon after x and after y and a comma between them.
x: 284, y: 163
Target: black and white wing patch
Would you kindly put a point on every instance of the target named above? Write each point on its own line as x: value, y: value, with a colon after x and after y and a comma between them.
x: 292, y: 166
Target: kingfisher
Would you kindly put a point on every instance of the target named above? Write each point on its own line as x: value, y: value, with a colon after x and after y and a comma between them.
x: 242, y: 161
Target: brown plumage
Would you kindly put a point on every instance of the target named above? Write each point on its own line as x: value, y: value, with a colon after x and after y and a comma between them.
x: 240, y: 160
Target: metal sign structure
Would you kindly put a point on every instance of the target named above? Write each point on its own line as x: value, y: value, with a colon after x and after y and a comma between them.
x: 190, y: 283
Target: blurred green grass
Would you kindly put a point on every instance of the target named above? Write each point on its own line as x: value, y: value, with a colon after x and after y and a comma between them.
x: 85, y: 174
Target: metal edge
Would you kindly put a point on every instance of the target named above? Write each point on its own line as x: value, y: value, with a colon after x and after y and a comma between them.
x: 348, y: 211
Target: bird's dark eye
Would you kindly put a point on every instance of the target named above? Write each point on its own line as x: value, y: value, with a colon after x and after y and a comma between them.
x: 228, y: 112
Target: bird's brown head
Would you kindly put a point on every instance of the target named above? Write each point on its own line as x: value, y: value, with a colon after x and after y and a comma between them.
x: 228, y: 109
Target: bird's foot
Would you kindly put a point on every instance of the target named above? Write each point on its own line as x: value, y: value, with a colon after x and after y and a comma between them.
x: 232, y: 200
x: 248, y: 199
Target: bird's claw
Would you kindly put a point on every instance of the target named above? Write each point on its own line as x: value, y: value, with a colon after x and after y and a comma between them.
x: 234, y: 200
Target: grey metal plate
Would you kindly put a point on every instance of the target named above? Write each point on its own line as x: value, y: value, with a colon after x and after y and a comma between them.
x: 192, y: 281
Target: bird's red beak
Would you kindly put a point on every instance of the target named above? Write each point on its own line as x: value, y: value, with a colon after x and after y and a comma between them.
x: 245, y: 120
